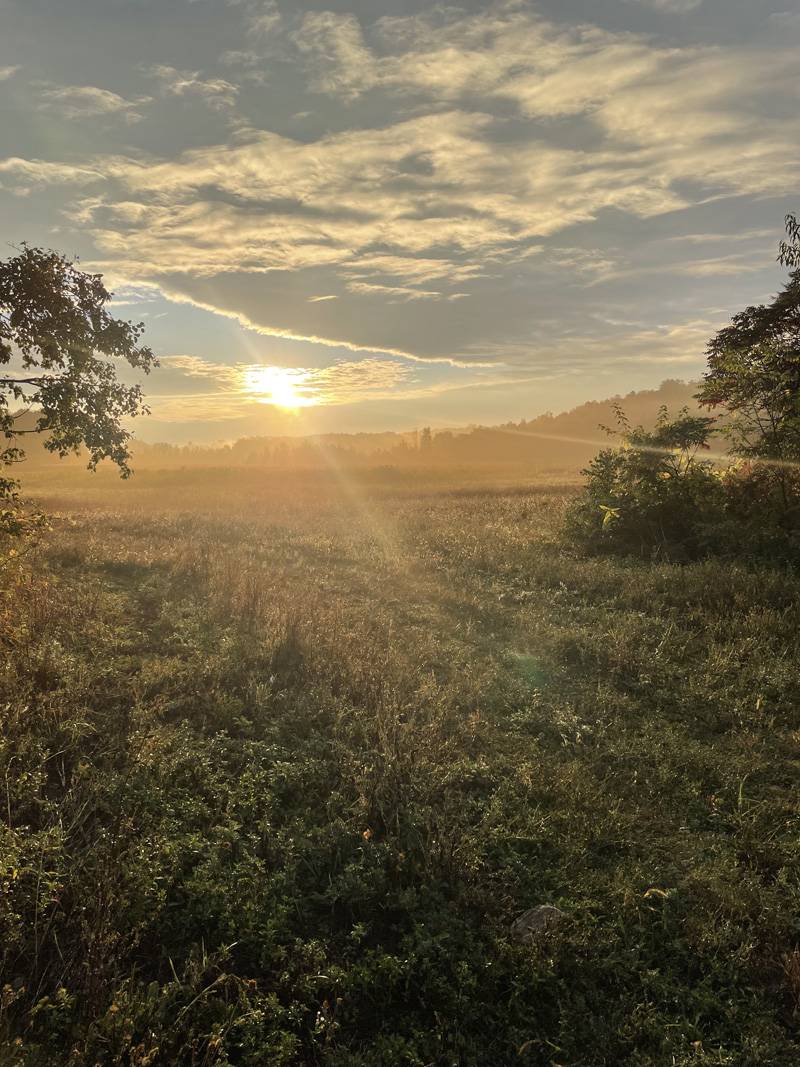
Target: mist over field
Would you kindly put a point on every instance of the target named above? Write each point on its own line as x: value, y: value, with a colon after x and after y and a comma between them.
x: 550, y: 443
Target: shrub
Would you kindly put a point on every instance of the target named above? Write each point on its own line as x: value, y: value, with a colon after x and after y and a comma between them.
x: 652, y: 495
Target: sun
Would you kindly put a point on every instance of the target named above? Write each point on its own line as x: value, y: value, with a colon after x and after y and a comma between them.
x: 282, y: 386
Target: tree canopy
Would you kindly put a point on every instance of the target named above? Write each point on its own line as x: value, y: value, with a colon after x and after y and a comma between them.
x: 753, y: 376
x: 62, y: 349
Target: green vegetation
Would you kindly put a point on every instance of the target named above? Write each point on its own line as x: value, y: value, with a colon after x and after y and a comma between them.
x: 283, y: 760
x: 655, y: 496
x: 59, y: 348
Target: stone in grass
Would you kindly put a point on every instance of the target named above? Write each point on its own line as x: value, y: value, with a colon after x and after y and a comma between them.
x: 534, y: 923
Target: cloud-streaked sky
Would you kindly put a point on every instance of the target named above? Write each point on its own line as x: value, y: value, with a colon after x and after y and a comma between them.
x: 445, y: 214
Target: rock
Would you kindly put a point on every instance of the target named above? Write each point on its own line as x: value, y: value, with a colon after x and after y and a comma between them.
x: 534, y: 923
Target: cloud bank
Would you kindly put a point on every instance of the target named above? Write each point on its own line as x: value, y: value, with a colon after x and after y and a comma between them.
x: 454, y: 187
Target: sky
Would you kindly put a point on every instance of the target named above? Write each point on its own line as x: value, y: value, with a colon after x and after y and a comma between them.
x: 354, y: 215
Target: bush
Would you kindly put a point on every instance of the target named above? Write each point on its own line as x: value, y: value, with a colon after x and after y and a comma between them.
x: 762, y: 503
x: 652, y: 495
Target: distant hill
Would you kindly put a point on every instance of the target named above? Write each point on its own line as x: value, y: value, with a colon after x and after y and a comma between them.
x: 565, y: 441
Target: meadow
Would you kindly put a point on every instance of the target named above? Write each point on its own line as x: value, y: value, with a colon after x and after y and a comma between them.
x: 284, y: 756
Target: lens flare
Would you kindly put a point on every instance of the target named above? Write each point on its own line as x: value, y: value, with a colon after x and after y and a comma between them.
x: 282, y: 386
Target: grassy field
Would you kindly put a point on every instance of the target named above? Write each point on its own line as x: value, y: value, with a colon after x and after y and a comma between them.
x: 282, y: 759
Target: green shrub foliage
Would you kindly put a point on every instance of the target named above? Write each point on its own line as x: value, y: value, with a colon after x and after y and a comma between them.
x: 654, y: 494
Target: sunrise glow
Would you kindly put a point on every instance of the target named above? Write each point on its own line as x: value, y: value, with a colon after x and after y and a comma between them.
x: 281, y: 386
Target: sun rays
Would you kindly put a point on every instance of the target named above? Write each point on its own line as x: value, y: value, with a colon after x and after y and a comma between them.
x: 283, y: 387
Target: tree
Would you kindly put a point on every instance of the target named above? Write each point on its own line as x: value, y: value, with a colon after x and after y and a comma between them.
x: 754, y: 375
x: 655, y: 493
x: 61, y: 349
x: 789, y: 251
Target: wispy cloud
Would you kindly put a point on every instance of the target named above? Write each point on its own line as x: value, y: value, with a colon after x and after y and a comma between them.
x: 400, y: 292
x: 194, y: 367
x: 263, y: 17
x: 41, y: 172
x: 218, y: 93
x: 673, y: 6
x: 722, y: 238
x: 343, y: 382
x: 89, y: 101
x: 339, y: 58
x: 128, y: 295
x: 720, y: 266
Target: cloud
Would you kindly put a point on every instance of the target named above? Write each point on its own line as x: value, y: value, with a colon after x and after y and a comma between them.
x: 265, y: 22
x: 726, y: 238
x: 8, y: 72
x: 628, y: 342
x: 443, y: 184
x: 719, y: 267
x: 194, y: 367
x: 218, y: 93
x: 506, y: 52
x: 242, y: 385
x: 240, y: 59
x: 184, y: 290
x: 126, y: 295
x: 89, y: 101
x: 417, y: 270
x: 591, y: 262
x: 497, y: 138
x: 672, y: 6
x: 339, y: 59
x: 203, y: 389
x: 400, y: 292
x: 283, y: 204
x: 262, y: 17
x: 348, y: 382
x: 41, y: 172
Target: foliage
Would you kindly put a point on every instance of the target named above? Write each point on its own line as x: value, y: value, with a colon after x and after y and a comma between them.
x: 789, y: 251
x: 638, y: 499
x: 61, y: 345
x: 753, y: 376
x: 654, y: 495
